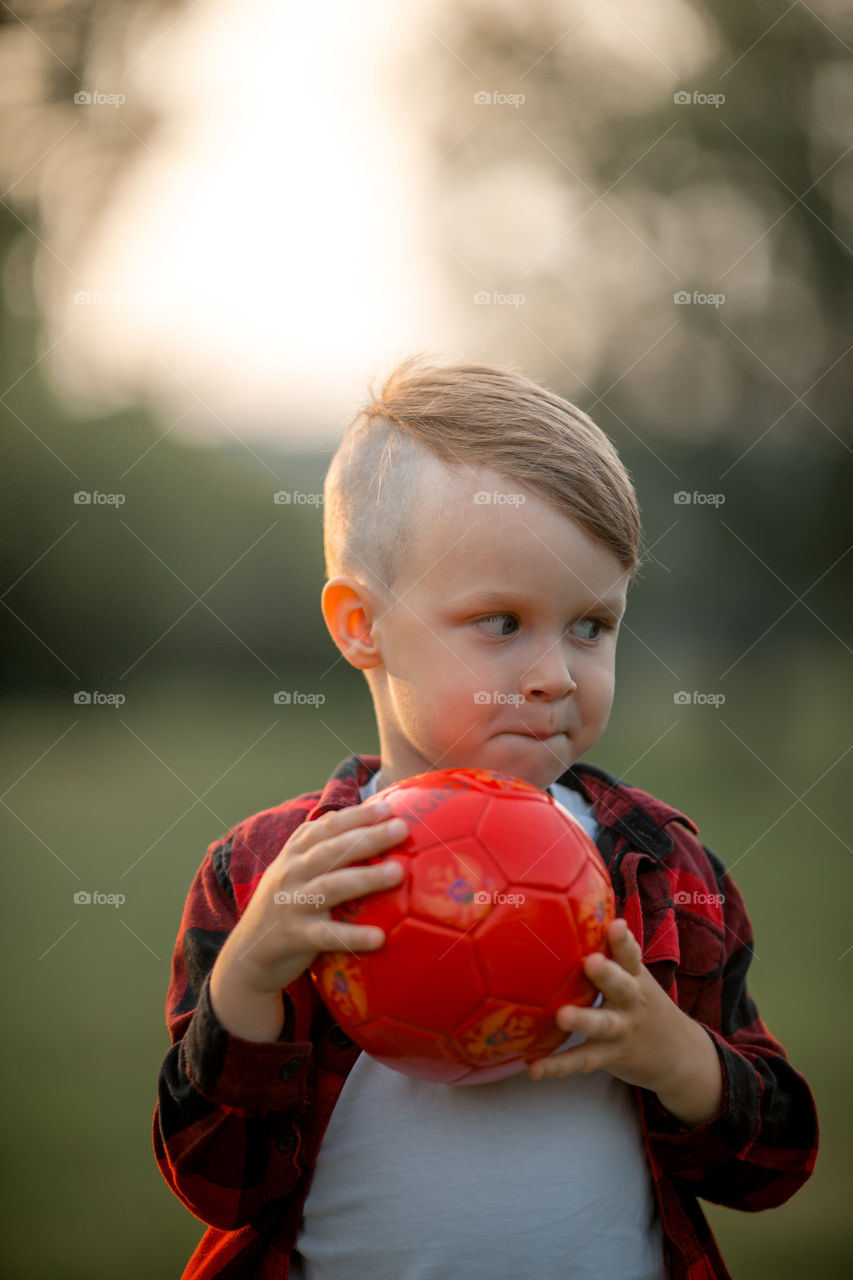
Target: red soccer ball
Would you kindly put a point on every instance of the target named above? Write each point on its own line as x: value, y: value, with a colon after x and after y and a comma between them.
x: 504, y: 894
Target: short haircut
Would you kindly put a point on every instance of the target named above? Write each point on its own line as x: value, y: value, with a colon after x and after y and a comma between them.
x: 468, y: 415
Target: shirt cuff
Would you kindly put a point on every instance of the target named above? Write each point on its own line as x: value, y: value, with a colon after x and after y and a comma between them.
x: 731, y: 1132
x: 244, y: 1074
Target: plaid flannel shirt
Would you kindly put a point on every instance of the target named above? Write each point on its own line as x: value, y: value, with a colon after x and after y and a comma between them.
x: 238, y: 1124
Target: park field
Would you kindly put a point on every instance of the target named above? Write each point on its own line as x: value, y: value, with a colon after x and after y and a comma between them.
x: 122, y: 802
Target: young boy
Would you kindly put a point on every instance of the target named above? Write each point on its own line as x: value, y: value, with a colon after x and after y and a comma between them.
x: 480, y: 537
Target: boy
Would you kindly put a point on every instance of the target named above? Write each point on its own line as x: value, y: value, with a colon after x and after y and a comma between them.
x: 480, y: 536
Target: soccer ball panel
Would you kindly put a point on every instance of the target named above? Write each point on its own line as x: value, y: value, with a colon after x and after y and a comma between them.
x: 431, y: 980
x: 454, y: 884
x: 339, y: 977
x: 526, y: 950
x: 499, y: 1030
x: 533, y: 841
x: 412, y: 1050
x: 441, y: 814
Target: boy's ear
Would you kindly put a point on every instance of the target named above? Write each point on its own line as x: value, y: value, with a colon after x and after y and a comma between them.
x: 349, y: 610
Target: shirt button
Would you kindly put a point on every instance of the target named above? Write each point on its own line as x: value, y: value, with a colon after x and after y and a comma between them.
x: 289, y: 1070
x: 287, y: 1143
x: 339, y: 1037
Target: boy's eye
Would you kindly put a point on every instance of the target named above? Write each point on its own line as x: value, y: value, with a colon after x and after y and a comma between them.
x: 588, y: 628
x: 498, y: 624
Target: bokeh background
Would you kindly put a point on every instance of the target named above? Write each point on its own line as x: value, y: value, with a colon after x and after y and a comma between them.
x: 218, y: 223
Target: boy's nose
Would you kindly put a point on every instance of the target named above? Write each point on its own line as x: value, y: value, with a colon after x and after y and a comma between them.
x: 548, y: 679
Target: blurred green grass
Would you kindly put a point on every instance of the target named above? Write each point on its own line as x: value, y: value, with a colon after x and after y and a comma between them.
x: 113, y: 805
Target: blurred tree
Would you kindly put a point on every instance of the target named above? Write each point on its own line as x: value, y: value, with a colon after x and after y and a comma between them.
x: 63, y: 149
x: 631, y: 152
x: 198, y: 565
x: 648, y: 205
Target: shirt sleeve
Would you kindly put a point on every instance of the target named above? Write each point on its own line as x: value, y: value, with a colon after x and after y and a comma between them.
x: 762, y: 1145
x: 228, y: 1122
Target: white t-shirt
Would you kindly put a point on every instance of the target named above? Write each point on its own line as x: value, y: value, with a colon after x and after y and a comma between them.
x: 422, y: 1181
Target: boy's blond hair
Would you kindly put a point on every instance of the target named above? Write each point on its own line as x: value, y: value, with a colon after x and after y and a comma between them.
x: 468, y: 415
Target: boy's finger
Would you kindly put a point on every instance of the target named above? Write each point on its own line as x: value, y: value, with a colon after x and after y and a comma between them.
x: 334, y: 935
x: 570, y: 1062
x: 595, y: 1024
x: 353, y: 845
x: 624, y: 947
x: 364, y: 843
x: 614, y: 982
x: 347, y: 883
x: 337, y: 820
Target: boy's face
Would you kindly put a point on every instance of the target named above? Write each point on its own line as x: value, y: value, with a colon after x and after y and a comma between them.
x: 495, y: 646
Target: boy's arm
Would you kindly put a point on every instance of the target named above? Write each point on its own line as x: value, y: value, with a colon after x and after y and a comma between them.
x: 762, y: 1145
x: 227, y: 1122
x: 235, y: 1116
x: 744, y: 1132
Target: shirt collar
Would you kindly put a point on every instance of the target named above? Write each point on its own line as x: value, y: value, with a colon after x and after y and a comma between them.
x: 613, y: 801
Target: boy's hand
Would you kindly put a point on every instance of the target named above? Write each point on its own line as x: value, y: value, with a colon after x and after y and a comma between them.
x: 639, y: 1035
x: 289, y: 920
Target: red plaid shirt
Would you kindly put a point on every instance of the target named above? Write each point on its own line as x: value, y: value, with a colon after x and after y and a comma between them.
x: 238, y: 1124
